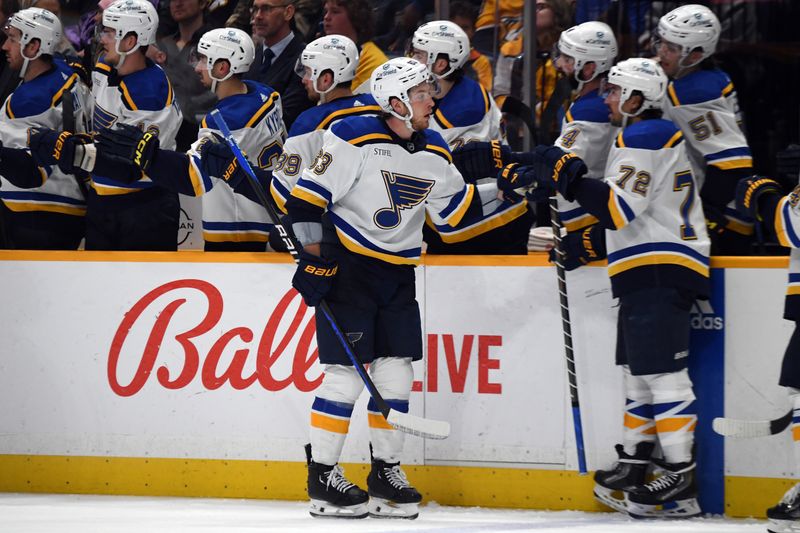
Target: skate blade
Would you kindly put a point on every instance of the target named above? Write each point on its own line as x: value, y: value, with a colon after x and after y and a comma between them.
x: 611, y: 498
x: 676, y: 509
x: 380, y: 508
x: 783, y: 526
x: 323, y: 509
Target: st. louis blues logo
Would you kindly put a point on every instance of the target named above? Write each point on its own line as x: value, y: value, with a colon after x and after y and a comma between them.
x: 404, y: 193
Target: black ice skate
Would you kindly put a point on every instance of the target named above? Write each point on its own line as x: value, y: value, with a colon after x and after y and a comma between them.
x: 629, y: 472
x: 331, y: 494
x: 785, y: 517
x: 672, y: 495
x: 390, y: 494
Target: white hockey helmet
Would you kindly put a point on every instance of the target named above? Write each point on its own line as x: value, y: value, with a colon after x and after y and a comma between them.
x: 643, y: 75
x: 131, y: 16
x: 691, y: 26
x: 230, y: 44
x: 590, y: 42
x: 394, y: 79
x: 442, y: 37
x: 35, y: 23
x: 335, y: 53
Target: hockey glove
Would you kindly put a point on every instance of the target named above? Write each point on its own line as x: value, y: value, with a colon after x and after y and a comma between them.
x: 581, y: 247
x: 476, y: 160
x: 523, y: 180
x: 750, y: 190
x: 49, y: 147
x: 565, y: 168
x: 314, y: 277
x: 129, y: 147
x: 218, y: 160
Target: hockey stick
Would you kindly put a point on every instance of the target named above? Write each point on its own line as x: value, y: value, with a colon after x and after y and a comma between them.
x: 731, y: 427
x: 566, y: 325
x: 405, y: 422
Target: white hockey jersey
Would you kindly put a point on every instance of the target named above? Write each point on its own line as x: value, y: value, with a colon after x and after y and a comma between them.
x: 377, y: 191
x: 305, y: 140
x: 586, y: 131
x: 144, y: 99
x: 468, y: 113
x: 39, y: 103
x: 704, y: 106
x: 787, y: 229
x: 256, y: 122
x: 660, y: 236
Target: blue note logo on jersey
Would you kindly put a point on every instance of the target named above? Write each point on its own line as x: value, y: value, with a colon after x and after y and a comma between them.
x: 102, y: 119
x: 404, y: 193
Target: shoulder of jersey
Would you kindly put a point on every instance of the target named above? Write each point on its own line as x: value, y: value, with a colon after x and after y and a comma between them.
x: 650, y: 135
x: 246, y: 110
x: 146, y: 90
x: 465, y: 104
x: 40, y: 94
x: 698, y: 87
x: 322, y: 116
x: 590, y: 108
x: 435, y: 143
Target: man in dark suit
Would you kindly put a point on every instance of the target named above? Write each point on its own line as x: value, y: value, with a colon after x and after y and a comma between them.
x: 276, y: 56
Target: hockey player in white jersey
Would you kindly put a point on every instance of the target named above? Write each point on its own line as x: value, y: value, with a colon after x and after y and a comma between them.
x: 375, y: 180
x: 762, y: 200
x: 327, y: 66
x: 43, y: 206
x: 127, y: 88
x: 585, y: 53
x: 658, y: 263
x: 466, y: 112
x: 702, y: 101
x: 233, y: 218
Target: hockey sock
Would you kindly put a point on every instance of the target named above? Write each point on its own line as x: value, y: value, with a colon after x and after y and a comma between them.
x: 795, y: 397
x: 393, y: 377
x: 331, y: 411
x: 639, y: 421
x: 676, y: 414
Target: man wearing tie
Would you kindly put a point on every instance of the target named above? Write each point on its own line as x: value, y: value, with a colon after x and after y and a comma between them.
x: 277, y: 54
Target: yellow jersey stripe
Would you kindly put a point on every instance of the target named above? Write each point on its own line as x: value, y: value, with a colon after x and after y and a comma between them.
x: 444, y: 152
x: 357, y: 248
x: 245, y: 236
x: 674, y: 139
x: 728, y: 89
x: 66, y: 87
x: 484, y: 226
x: 672, y: 95
x: 614, y: 210
x: 262, y: 111
x: 103, y: 66
x: 456, y: 216
x: 569, y: 116
x: 741, y: 228
x: 127, y: 97
x: 309, y: 197
x: 793, y: 289
x: 169, y: 94
x: 667, y: 425
x: 440, y: 117
x: 780, y: 230
x: 25, y: 207
x: 369, y: 137
x: 195, y: 178
x: 8, y: 109
x: 620, y: 141
x: 746, y: 162
x: 280, y: 201
x: 580, y: 223
x: 345, y: 112
x: 657, y: 259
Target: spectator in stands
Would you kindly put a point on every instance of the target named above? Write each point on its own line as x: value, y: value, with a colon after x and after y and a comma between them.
x: 478, y: 67
x: 9, y: 79
x: 277, y: 54
x: 353, y: 19
x: 179, y: 58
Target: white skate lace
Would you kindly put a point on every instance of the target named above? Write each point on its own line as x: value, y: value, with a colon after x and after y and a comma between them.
x: 792, y: 495
x: 337, y: 480
x: 662, y: 482
x: 397, y: 477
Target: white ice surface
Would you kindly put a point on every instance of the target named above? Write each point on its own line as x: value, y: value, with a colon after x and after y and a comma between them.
x: 28, y: 513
